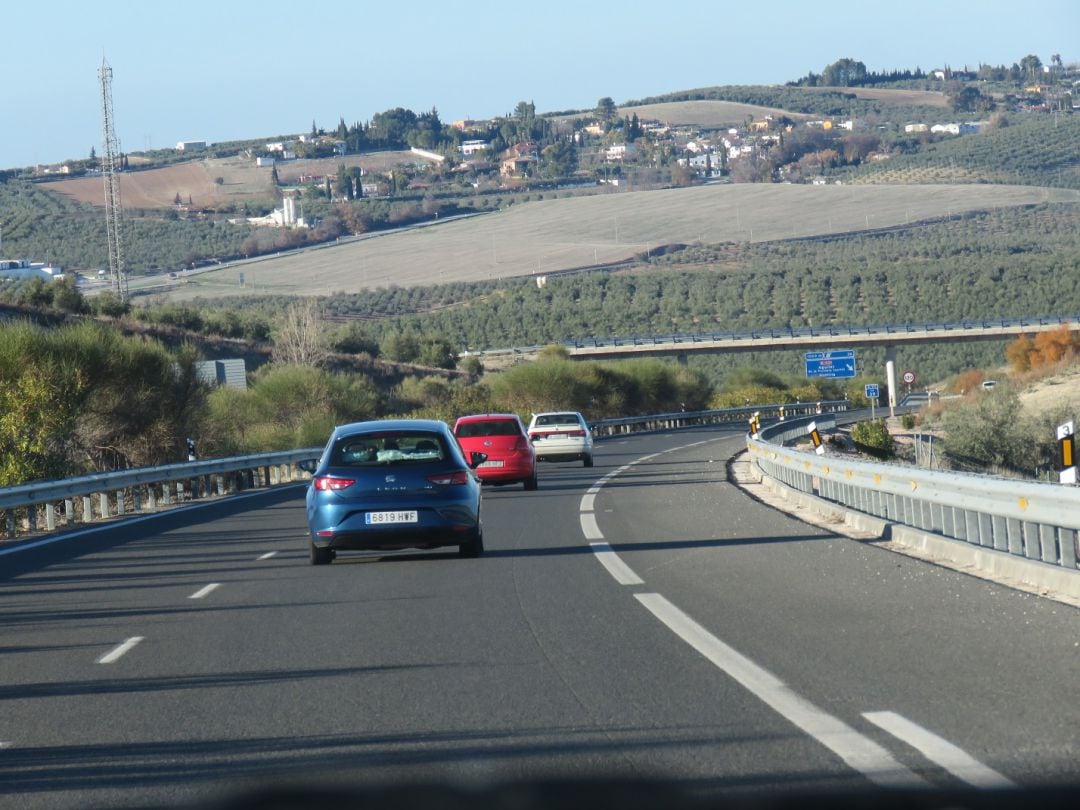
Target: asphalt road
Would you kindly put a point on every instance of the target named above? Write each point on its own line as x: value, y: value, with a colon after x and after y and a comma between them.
x: 640, y: 619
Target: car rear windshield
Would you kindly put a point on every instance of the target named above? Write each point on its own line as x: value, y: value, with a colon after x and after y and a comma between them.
x: 548, y: 419
x: 370, y: 449
x: 489, y: 427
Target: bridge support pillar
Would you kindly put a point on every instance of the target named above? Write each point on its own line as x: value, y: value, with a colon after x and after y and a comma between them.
x: 680, y: 358
x: 890, y: 377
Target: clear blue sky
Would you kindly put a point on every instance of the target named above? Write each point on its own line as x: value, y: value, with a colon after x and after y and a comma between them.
x: 229, y: 69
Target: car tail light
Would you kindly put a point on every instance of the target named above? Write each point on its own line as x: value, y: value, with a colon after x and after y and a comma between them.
x: 449, y: 479
x: 330, y: 483
x: 575, y: 433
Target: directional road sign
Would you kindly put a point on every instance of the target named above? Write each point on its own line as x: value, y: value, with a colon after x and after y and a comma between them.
x: 831, y: 364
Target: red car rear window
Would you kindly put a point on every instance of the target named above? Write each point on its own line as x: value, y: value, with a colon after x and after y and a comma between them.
x: 490, y: 427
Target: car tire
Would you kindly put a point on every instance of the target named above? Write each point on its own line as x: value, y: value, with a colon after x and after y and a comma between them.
x: 531, y: 483
x: 321, y: 556
x: 588, y: 461
x: 474, y: 546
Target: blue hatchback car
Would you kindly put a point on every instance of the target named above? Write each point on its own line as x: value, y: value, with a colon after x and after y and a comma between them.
x: 394, y: 484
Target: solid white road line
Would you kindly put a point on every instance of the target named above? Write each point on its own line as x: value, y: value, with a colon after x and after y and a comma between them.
x: 622, y: 572
x: 119, y: 651
x: 855, y: 749
x: 587, y: 501
x: 267, y: 555
x: 953, y: 759
x: 199, y: 594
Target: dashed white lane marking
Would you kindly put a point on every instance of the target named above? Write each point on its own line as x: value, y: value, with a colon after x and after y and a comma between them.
x: 855, y: 749
x: 267, y: 555
x: 940, y: 751
x: 117, y: 652
x: 622, y: 572
x: 199, y: 594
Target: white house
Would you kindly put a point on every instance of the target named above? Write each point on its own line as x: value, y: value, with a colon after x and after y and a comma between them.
x: 620, y: 151
x: 946, y: 129
x: 472, y: 147
x: 21, y: 268
x: 190, y: 146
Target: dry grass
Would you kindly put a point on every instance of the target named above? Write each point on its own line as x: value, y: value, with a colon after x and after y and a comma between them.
x: 706, y: 114
x: 928, y: 98
x: 554, y: 235
x: 195, y: 180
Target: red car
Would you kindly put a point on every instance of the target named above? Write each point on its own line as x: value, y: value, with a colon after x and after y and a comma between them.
x: 502, y: 438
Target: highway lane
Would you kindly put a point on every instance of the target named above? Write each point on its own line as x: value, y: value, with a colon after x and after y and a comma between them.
x: 532, y: 661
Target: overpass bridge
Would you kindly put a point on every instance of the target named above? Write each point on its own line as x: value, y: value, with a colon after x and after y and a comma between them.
x: 810, y: 338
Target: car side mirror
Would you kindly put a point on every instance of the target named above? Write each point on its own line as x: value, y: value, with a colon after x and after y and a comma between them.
x: 308, y: 465
x: 476, y: 459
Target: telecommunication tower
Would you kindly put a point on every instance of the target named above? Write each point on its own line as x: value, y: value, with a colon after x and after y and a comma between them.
x: 110, y: 167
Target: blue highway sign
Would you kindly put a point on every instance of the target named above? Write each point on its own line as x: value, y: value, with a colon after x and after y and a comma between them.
x: 871, y: 391
x: 831, y: 364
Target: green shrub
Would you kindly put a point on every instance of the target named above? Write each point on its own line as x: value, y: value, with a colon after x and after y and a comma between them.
x: 873, y: 438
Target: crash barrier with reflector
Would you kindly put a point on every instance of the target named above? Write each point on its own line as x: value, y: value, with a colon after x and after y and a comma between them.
x: 1034, y: 520
x: 45, y: 506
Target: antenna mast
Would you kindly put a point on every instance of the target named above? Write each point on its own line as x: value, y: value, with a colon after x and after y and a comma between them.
x: 109, y: 170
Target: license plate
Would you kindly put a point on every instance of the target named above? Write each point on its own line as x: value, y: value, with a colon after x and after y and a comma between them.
x: 490, y: 464
x: 383, y: 518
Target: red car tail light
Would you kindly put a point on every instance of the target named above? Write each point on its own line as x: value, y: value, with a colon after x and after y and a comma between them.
x: 449, y: 479
x: 330, y: 483
x: 575, y: 433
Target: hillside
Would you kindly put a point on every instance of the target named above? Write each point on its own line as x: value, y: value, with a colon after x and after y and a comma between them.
x: 194, y: 182
x: 717, y: 113
x: 554, y: 235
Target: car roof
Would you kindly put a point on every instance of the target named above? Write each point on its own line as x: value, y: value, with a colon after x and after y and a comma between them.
x: 379, y: 425
x: 486, y: 417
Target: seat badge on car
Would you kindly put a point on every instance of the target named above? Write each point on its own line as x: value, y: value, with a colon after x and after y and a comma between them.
x: 487, y: 443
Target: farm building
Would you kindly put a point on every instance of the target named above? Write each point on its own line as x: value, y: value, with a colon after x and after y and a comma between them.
x: 21, y: 268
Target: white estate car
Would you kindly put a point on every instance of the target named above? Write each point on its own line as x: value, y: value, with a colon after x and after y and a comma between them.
x: 561, y: 436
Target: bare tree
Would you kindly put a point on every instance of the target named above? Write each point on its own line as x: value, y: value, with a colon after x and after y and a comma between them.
x: 297, y: 338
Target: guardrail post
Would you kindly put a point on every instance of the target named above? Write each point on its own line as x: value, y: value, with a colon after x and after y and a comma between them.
x: 1070, y: 540
x: 136, y: 499
x: 179, y: 491
x: 220, y: 485
x: 1000, y: 531
x: 1048, y: 543
x: 103, y: 504
x: 31, y: 518
x: 50, y: 517
x: 151, y: 497
x: 87, y: 509
x: 121, y: 505
x: 10, y: 523
x: 69, y: 512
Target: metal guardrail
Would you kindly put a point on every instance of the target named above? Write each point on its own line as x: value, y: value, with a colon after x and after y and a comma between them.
x: 42, y: 505
x: 1037, y: 521
x: 683, y: 419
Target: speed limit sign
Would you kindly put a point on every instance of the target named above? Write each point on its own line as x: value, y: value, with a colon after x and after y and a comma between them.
x: 909, y: 377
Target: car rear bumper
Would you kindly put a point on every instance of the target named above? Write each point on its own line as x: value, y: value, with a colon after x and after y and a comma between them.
x: 561, y: 450
x: 511, y: 471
